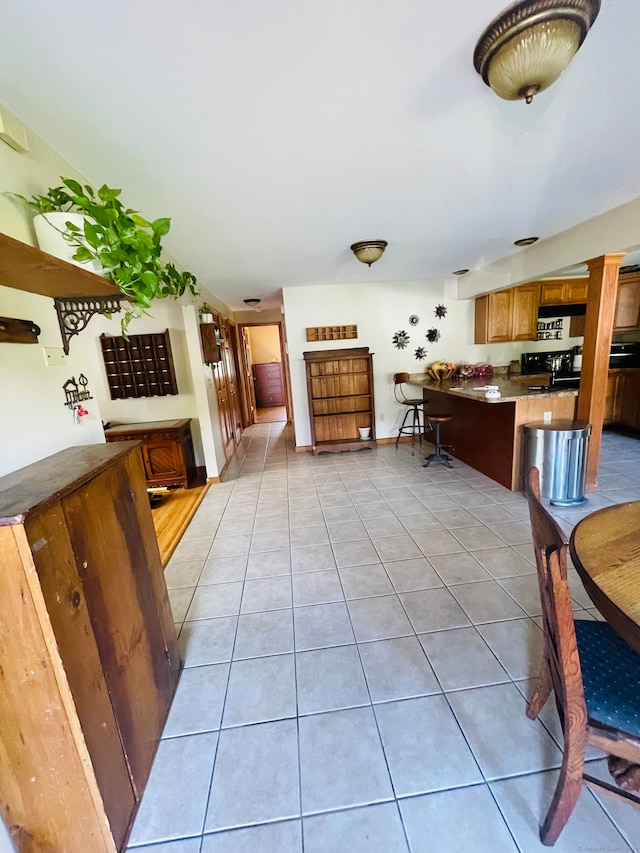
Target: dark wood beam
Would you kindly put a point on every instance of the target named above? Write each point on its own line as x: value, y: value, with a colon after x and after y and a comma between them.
x: 598, y: 330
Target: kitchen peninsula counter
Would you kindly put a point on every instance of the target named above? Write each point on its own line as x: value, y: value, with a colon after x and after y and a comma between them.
x: 486, y: 433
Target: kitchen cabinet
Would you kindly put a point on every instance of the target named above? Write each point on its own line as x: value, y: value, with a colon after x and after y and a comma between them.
x: 627, y: 317
x: 167, y: 450
x: 622, y: 401
x: 629, y: 396
x: 507, y: 315
x: 340, y: 393
x: 268, y: 384
x: 612, y: 397
x: 564, y: 291
x: 89, y: 658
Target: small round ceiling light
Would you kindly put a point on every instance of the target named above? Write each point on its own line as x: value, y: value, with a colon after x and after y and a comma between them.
x: 526, y: 241
x: 369, y: 251
x: 459, y: 272
x: 252, y: 302
x: 530, y: 43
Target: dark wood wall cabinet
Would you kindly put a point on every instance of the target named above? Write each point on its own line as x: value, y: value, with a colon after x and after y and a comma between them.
x: 89, y: 658
x: 139, y: 366
x: 210, y: 337
x: 167, y: 450
x: 340, y: 392
x: 269, y: 384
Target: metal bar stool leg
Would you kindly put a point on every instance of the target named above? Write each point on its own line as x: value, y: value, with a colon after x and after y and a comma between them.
x: 438, y: 456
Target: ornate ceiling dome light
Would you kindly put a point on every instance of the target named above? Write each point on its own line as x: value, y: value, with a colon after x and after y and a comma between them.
x: 528, y: 46
x: 369, y: 251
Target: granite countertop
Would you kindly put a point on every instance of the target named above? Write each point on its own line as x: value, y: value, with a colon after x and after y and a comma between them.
x: 511, y: 390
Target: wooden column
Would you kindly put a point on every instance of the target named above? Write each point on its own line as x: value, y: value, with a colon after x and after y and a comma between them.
x: 601, y: 306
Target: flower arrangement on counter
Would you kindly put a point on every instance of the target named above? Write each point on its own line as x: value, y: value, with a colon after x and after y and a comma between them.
x: 448, y: 370
x: 475, y: 371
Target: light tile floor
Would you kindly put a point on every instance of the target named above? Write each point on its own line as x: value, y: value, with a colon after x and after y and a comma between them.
x: 359, y: 636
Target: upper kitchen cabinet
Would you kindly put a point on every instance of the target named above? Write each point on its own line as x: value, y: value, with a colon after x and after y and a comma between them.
x: 628, y: 303
x: 507, y: 315
x: 627, y: 316
x: 564, y: 291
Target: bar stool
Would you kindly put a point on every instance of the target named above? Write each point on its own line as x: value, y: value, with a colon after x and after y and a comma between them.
x: 435, y: 420
x: 414, y: 411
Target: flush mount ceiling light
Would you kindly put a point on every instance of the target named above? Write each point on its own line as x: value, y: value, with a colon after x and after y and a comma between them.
x: 459, y: 272
x: 252, y: 302
x: 528, y: 46
x: 526, y: 241
x: 369, y: 251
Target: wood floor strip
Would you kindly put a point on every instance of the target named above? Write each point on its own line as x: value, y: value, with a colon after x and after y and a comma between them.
x: 173, y: 515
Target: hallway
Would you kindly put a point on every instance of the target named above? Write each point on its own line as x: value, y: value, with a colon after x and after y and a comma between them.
x: 359, y: 636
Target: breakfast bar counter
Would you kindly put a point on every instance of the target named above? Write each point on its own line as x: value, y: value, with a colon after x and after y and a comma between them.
x: 486, y: 432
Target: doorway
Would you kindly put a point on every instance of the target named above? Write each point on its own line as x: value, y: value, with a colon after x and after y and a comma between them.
x: 266, y: 392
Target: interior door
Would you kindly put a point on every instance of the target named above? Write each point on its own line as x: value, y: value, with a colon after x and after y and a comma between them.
x: 229, y: 356
x: 249, y: 389
x: 224, y: 412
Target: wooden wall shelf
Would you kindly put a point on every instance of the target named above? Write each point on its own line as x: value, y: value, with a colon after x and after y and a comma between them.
x: 24, y: 267
x: 331, y: 333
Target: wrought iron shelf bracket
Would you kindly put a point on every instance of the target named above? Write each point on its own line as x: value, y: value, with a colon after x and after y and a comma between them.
x: 74, y: 313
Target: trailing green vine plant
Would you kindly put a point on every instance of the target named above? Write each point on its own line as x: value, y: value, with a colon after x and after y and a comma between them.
x: 127, y: 245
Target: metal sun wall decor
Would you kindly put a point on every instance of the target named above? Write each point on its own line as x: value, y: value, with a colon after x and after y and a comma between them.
x: 440, y: 311
x: 420, y: 353
x: 400, y: 339
x: 414, y: 320
x: 433, y: 336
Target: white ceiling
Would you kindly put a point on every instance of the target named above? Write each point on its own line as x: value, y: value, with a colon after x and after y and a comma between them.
x: 275, y: 134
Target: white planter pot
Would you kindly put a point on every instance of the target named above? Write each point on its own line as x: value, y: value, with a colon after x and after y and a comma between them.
x: 206, y: 318
x: 49, y: 228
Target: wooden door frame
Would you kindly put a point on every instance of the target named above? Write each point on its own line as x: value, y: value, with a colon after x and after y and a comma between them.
x: 248, y: 397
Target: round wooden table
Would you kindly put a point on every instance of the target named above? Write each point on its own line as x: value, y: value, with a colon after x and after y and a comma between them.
x: 605, y: 549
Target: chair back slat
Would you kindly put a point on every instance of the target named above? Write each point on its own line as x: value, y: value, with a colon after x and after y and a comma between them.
x: 400, y: 379
x: 561, y: 648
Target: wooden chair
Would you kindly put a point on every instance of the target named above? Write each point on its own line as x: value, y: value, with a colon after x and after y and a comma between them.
x: 414, y: 411
x: 594, y: 674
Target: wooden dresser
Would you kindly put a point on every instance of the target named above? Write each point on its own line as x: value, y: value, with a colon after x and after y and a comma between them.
x: 269, y: 384
x: 167, y: 450
x: 89, y: 659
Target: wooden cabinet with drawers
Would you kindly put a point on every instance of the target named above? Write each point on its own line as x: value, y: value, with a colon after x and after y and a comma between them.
x: 167, y: 450
x: 269, y: 385
x: 89, y: 658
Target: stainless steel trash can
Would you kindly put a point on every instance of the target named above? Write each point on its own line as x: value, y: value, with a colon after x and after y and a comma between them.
x: 559, y: 451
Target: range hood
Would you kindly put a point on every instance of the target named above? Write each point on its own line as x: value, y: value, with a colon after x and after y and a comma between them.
x: 545, y: 311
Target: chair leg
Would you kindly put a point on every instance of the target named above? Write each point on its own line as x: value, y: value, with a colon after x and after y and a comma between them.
x: 438, y: 456
x: 402, y: 425
x: 416, y: 429
x: 541, y: 691
x: 569, y: 784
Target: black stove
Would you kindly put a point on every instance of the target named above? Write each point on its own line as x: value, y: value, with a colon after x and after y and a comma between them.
x: 558, y: 361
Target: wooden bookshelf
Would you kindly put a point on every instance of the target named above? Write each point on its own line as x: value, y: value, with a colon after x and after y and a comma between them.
x: 340, y: 393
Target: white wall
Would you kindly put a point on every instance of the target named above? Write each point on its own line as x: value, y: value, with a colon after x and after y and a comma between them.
x: 34, y: 422
x: 379, y: 311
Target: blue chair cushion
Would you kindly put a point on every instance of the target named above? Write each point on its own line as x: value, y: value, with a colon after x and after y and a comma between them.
x: 610, y: 675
